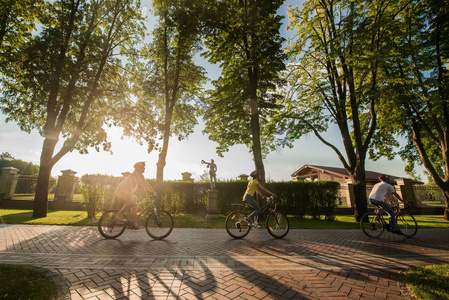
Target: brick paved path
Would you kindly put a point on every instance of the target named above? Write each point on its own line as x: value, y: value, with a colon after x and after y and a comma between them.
x: 208, y: 264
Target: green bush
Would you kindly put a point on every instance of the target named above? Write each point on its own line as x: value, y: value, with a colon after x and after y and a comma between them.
x: 93, y: 196
x: 300, y: 198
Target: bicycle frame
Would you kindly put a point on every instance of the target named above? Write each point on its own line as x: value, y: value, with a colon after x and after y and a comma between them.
x: 405, y: 222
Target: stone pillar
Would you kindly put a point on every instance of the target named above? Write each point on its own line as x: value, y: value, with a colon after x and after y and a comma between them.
x: 8, y: 183
x: 65, y: 188
x: 212, y: 204
x: 406, y: 191
x: 350, y: 198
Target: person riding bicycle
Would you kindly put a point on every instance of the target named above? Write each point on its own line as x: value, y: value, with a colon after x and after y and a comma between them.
x: 379, y: 197
x: 254, y: 187
x: 125, y: 190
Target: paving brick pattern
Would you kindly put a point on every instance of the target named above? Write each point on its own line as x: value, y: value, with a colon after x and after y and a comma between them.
x: 208, y: 264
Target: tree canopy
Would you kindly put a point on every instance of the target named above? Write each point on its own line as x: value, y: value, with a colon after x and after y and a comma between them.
x: 67, y: 80
x: 243, y: 38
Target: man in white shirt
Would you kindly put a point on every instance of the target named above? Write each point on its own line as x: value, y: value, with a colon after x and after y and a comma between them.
x: 379, y: 197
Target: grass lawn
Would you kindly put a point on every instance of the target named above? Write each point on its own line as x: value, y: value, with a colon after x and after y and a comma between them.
x: 19, y: 282
x: 79, y: 218
x: 429, y: 282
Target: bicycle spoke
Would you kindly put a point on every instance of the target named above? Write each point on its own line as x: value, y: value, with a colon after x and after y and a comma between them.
x: 236, y: 226
x: 277, y: 225
x: 407, y: 224
x: 109, y: 227
x: 372, y: 225
x: 159, y: 225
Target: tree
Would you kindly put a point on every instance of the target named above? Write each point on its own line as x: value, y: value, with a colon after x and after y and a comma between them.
x: 243, y: 37
x: 418, y: 77
x: 169, y: 81
x: 68, y: 82
x: 335, y: 77
x: 17, y: 21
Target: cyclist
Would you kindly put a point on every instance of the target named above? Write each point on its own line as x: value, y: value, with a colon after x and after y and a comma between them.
x: 125, y: 190
x: 379, y: 197
x: 254, y: 187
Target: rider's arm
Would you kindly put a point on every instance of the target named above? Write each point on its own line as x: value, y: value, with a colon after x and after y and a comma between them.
x: 396, y: 195
x: 145, y: 185
x: 260, y: 187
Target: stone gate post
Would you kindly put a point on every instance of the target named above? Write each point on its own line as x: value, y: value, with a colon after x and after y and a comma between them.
x: 406, y: 191
x: 65, y: 188
x: 8, y: 183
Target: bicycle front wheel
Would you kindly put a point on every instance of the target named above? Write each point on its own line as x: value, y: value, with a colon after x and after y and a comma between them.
x: 372, y: 225
x: 109, y: 226
x: 407, y: 224
x: 236, y: 226
x: 159, y: 225
x: 277, y: 225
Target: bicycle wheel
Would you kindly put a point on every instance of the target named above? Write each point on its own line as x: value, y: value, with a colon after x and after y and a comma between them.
x: 406, y: 223
x: 109, y: 226
x: 372, y: 225
x: 236, y: 226
x: 277, y: 225
x: 159, y: 226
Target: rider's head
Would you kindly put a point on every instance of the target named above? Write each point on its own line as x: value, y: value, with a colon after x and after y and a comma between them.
x: 384, y: 178
x: 254, y: 174
x: 140, y: 166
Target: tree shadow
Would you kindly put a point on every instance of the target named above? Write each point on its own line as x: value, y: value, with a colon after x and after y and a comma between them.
x: 198, y: 263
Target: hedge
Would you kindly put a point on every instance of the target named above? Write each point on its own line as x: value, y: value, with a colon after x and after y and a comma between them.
x: 315, y: 199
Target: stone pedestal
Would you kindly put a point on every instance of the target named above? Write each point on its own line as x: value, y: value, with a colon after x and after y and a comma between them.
x: 212, y: 204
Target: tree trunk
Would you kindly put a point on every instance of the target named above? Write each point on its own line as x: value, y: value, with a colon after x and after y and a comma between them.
x: 359, y: 182
x: 162, y: 159
x: 361, y: 206
x: 40, y: 204
x: 446, y: 210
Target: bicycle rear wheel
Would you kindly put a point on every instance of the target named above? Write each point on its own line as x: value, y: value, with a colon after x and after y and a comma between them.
x: 372, y: 225
x: 159, y: 225
x: 236, y: 226
x: 406, y: 223
x: 277, y: 225
x: 109, y: 226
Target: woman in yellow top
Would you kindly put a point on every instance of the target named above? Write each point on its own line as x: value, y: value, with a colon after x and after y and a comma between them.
x: 254, y: 187
x: 125, y: 190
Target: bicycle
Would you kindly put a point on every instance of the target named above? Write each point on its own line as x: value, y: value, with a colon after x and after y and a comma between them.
x: 277, y: 223
x: 373, y: 224
x: 158, y: 225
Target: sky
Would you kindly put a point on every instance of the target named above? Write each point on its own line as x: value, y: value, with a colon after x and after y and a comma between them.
x: 185, y: 156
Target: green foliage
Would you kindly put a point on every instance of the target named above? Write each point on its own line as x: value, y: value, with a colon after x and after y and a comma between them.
x: 244, y: 38
x: 25, y: 168
x: 417, y: 78
x: 167, y: 80
x: 93, y: 196
x: 68, y: 79
x: 307, y: 198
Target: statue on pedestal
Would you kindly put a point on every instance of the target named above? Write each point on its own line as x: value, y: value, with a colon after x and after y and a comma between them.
x: 212, y: 172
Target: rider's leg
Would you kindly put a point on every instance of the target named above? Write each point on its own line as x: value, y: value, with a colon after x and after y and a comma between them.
x: 389, y: 210
x: 130, y: 203
x: 251, y: 201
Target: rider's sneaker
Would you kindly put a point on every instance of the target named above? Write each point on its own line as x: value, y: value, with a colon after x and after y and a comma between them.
x: 255, y: 225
